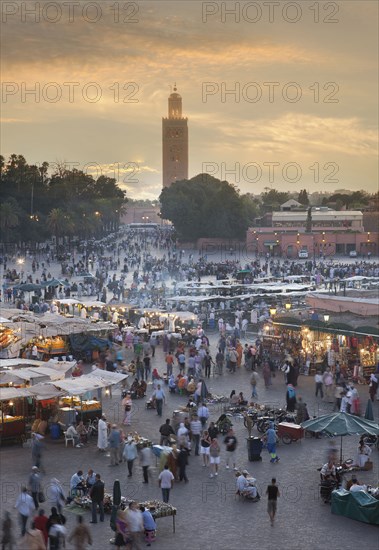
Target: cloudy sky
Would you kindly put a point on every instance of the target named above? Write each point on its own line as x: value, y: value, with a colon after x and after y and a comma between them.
x: 303, y: 113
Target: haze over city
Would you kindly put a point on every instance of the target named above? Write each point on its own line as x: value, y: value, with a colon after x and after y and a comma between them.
x: 255, y: 92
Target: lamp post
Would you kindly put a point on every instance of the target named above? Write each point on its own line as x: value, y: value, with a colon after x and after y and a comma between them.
x: 273, y: 311
x: 326, y: 317
x: 288, y: 306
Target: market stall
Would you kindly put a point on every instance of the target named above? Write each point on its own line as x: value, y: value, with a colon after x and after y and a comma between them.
x: 12, y: 417
x: 10, y: 340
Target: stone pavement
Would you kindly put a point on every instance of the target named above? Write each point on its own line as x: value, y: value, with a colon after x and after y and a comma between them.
x: 209, y: 515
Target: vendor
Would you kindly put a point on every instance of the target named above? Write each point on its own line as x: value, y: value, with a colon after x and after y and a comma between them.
x: 364, y: 452
x: 77, y: 483
x: 71, y: 432
x: 328, y: 472
x: 246, y: 487
x: 82, y: 431
x: 172, y: 384
x: 356, y: 486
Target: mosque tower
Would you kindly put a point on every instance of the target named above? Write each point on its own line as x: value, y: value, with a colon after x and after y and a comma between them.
x: 174, y: 142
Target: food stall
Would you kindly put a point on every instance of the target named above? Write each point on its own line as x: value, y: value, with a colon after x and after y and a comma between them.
x: 78, y: 402
x: 12, y: 418
x: 10, y: 341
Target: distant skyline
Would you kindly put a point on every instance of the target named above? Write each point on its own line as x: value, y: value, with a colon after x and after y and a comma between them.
x: 318, y: 131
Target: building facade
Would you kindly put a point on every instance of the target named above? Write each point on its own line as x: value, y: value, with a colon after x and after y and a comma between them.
x: 174, y: 142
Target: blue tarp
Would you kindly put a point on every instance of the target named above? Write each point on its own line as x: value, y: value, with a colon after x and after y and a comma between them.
x: 86, y: 342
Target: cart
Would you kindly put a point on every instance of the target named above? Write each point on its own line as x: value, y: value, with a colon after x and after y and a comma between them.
x: 288, y: 432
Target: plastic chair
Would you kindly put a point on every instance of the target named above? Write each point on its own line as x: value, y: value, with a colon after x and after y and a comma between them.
x: 68, y: 438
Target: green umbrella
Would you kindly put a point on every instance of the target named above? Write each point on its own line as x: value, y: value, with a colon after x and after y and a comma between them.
x: 28, y: 287
x: 54, y: 283
x: 341, y: 424
x: 369, y: 415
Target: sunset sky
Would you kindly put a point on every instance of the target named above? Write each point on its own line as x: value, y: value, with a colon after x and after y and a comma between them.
x: 187, y: 43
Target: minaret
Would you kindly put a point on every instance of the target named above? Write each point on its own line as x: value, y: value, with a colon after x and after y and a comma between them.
x: 174, y: 142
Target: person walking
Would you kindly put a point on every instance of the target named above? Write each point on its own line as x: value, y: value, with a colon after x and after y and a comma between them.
x: 159, y: 396
x: 318, y: 383
x: 40, y: 522
x: 327, y: 379
x: 130, y: 454
x: 267, y: 374
x: 208, y: 362
x: 169, y: 363
x: 127, y: 404
x: 196, y: 428
x: 145, y: 460
x: 182, y: 462
x: 37, y: 447
x: 80, y: 536
x: 134, y: 522
x: 214, y: 457
x: 7, y: 539
x: 97, y: 496
x: 35, y: 485
x: 25, y: 507
x: 165, y: 483
x: 230, y: 441
x: 271, y: 440
x: 253, y: 382
x: 203, y: 414
x: 102, y: 434
x: 272, y: 493
x: 166, y: 430
x: 205, y: 443
x: 114, y: 444
x: 32, y: 540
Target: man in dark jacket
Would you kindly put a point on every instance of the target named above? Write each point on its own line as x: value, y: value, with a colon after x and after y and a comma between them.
x: 166, y: 430
x: 97, y: 497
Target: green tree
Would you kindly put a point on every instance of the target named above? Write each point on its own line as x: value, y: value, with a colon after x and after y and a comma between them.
x: 59, y: 224
x: 204, y: 207
x: 9, y: 217
x: 272, y: 199
x: 303, y: 197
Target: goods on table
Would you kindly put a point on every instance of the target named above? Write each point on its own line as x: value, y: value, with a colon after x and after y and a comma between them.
x: 7, y: 337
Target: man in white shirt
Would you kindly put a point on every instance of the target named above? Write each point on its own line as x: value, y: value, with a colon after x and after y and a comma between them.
x: 196, y: 428
x: 159, y: 397
x: 134, y: 521
x: 71, y: 432
x: 203, y: 414
x: 165, y: 483
x: 243, y: 486
x: 25, y: 507
x: 356, y: 486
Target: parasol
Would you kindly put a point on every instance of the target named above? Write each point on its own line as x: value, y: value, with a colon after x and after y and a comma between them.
x: 341, y: 424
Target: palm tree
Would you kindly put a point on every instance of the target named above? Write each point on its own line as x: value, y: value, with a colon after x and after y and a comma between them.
x: 9, y: 218
x: 59, y: 223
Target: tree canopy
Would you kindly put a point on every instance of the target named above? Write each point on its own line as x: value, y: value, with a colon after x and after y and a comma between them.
x: 65, y: 203
x: 204, y: 206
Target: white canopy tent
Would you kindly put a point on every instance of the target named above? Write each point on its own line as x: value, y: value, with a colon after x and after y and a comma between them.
x: 6, y: 394
x: 109, y: 377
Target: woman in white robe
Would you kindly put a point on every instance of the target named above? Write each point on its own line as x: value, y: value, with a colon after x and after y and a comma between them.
x: 102, y: 436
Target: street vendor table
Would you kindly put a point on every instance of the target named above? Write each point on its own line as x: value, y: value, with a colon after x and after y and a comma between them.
x: 12, y: 427
x: 356, y: 505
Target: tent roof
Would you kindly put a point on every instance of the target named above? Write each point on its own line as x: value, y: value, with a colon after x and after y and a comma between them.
x: 44, y: 390
x: 81, y: 385
x: 110, y: 377
x: 13, y: 393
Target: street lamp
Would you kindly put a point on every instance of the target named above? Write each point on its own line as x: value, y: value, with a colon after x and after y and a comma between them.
x: 326, y: 318
x: 272, y: 311
x: 288, y: 306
